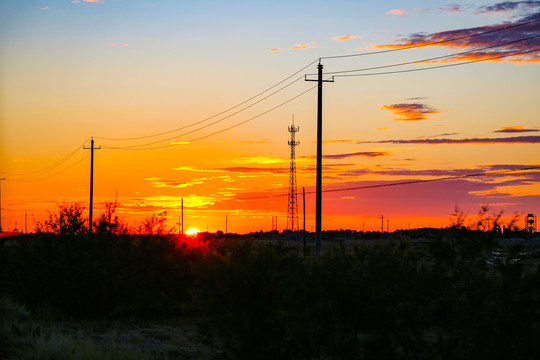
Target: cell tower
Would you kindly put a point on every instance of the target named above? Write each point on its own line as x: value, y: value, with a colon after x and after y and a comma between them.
x: 292, y: 211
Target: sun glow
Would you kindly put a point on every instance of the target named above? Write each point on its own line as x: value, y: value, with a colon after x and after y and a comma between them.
x: 192, y: 231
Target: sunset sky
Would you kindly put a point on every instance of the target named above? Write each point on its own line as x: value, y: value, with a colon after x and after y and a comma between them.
x: 192, y: 100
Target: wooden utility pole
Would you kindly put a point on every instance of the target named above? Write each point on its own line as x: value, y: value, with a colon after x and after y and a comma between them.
x: 92, y: 147
x: 226, y: 224
x: 318, y: 202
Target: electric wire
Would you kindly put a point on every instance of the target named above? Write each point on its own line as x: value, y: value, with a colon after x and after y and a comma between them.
x: 220, y: 113
x: 430, y: 59
x: 212, y: 123
x: 219, y: 131
x: 50, y: 176
x: 50, y: 167
x: 486, y: 173
x: 442, y: 66
x: 432, y: 43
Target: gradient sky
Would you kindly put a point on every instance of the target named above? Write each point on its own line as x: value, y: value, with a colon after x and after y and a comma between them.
x: 113, y: 69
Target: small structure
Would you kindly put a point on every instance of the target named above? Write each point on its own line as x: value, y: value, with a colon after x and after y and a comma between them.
x: 530, y: 223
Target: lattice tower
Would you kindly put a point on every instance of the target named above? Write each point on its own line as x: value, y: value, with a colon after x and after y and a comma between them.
x: 292, y: 209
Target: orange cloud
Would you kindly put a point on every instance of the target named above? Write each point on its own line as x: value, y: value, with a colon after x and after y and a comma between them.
x: 396, y: 12
x: 345, y: 37
x: 518, y: 39
x: 95, y: 1
x: 410, y: 112
x: 300, y: 46
x: 275, y: 49
x: 515, y: 129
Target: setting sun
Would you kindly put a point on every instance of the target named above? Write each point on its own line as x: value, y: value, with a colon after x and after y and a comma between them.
x: 192, y: 232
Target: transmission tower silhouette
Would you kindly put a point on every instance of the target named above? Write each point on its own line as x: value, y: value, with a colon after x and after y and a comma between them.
x: 292, y: 209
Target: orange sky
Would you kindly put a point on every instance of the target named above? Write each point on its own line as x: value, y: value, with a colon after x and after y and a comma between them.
x: 174, y: 95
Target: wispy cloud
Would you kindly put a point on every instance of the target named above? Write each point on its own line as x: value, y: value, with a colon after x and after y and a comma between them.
x: 259, y: 160
x: 180, y: 142
x: 508, y: 140
x: 397, y: 12
x: 507, y: 6
x: 466, y: 41
x: 301, y: 46
x: 95, y: 1
x: 514, y: 129
x: 337, y: 141
x: 410, y: 111
x: 453, y: 8
x: 46, y: 8
x: 275, y: 49
x: 349, y: 155
x: 174, y: 184
x: 76, y: 2
x: 346, y: 37
x: 255, y: 170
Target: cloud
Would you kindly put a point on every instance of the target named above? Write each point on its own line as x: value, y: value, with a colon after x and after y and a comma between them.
x: 300, y: 46
x: 163, y: 183
x: 348, y: 155
x: 180, y: 142
x: 337, y: 141
x: 507, y: 6
x: 95, y: 1
x: 436, y: 136
x: 453, y: 8
x: 112, y: 44
x: 275, y: 49
x: 46, y: 8
x: 76, y: 2
x: 396, y: 12
x: 514, y: 129
x: 466, y: 40
x: 255, y: 170
x: 508, y: 140
x: 346, y: 37
x: 259, y: 160
x: 410, y: 111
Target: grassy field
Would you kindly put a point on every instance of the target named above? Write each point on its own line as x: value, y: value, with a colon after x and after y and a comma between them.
x: 440, y: 295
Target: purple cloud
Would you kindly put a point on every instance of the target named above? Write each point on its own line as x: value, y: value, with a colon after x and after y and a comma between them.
x: 508, y: 140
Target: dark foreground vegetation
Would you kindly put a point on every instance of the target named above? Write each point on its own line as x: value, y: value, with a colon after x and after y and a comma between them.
x: 447, y: 298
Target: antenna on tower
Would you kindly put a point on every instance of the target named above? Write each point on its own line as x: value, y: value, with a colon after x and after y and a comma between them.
x: 292, y: 208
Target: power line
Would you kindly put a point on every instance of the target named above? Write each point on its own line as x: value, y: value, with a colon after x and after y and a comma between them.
x: 219, y: 131
x: 432, y: 43
x: 432, y: 58
x: 442, y: 66
x: 212, y: 123
x: 222, y: 112
x: 47, y: 168
x: 486, y: 173
x: 50, y: 176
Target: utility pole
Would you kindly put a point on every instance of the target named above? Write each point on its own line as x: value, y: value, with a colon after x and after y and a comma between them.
x: 1, y: 203
x: 318, y: 202
x: 91, y: 182
x: 26, y: 223
x: 182, y: 216
x: 382, y: 223
x: 226, y: 224
x: 304, y: 211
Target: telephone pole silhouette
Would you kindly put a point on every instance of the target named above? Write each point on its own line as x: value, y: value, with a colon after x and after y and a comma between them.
x: 91, y: 148
x: 318, y: 190
x: 292, y: 208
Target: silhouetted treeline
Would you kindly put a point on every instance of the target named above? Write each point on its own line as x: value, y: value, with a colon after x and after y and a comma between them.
x: 449, y: 299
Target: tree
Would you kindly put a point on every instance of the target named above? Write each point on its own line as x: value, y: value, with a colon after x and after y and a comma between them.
x: 68, y: 221
x: 109, y: 222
